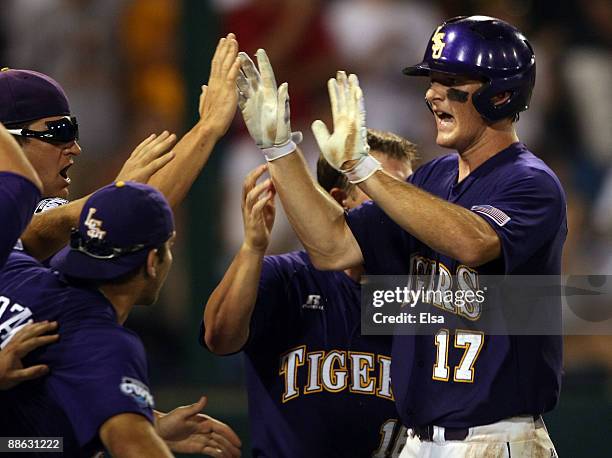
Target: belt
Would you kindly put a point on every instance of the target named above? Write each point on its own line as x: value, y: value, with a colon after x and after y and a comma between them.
x: 425, y: 433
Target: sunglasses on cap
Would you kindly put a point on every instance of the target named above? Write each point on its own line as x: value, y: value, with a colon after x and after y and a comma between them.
x: 63, y: 130
x: 99, y: 249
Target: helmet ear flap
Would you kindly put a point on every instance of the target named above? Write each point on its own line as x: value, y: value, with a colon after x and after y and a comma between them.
x: 482, y: 100
x: 520, y: 95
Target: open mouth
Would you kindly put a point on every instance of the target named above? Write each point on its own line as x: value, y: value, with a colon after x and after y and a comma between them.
x: 444, y: 119
x: 64, y: 173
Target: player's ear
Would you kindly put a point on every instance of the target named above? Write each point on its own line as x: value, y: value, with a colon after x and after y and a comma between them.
x: 339, y: 195
x: 152, y: 261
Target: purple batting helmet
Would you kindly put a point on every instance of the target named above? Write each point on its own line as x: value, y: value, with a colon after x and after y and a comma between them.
x: 489, y: 49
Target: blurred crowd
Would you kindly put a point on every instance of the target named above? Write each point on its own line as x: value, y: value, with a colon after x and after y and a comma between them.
x: 123, y: 64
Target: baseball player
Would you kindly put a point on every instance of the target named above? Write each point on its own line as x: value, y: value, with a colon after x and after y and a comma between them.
x: 19, y: 193
x: 97, y: 394
x: 492, y: 208
x: 36, y: 110
x: 308, y: 367
x: 19, y: 196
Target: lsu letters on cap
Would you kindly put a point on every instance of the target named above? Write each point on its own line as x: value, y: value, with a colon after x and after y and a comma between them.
x: 118, y: 226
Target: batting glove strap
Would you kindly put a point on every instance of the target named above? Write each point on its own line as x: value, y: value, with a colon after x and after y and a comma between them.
x: 278, y: 151
x: 364, y: 169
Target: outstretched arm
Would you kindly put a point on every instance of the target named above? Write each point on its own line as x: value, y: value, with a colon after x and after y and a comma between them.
x: 228, y: 312
x: 323, y: 233
x: 186, y: 430
x: 443, y: 226
x: 447, y: 228
x: 49, y: 231
x: 316, y: 218
x: 172, y: 171
x: 218, y: 103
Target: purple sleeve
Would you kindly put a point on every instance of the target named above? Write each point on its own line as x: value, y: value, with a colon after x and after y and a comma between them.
x: 105, y: 375
x: 18, y: 198
x: 525, y: 214
x: 272, y: 303
x: 384, y: 244
x: 273, y: 308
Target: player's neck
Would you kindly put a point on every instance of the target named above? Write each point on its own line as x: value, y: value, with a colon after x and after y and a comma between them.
x: 121, y: 297
x: 491, y: 142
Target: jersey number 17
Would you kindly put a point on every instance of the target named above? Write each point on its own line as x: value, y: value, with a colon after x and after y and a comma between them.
x: 470, y: 341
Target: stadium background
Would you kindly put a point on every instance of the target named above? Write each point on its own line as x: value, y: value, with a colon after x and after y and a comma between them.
x: 132, y: 67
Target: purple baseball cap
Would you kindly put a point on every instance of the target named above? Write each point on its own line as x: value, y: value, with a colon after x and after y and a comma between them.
x: 119, y: 224
x: 26, y: 95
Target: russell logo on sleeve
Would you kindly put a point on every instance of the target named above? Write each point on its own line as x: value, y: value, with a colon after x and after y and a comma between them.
x: 313, y: 302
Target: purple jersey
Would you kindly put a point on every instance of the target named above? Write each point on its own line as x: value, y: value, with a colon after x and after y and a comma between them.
x: 316, y: 387
x: 523, y: 201
x: 98, y: 367
x: 18, y: 198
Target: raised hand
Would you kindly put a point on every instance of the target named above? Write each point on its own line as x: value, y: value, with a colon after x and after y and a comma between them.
x: 186, y: 430
x: 219, y: 98
x: 153, y: 153
x: 265, y: 107
x: 258, y: 210
x: 346, y: 149
x: 28, y: 338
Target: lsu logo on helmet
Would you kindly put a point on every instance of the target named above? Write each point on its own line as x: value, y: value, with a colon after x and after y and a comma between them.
x: 438, y: 44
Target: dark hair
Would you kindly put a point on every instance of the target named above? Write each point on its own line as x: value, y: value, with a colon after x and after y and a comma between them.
x: 389, y: 144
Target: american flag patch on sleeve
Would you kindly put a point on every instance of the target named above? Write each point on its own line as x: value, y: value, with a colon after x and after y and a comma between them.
x: 494, y: 213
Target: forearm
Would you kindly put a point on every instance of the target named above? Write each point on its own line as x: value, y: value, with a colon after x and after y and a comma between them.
x: 49, y: 231
x: 316, y: 217
x: 132, y: 436
x: 443, y: 226
x: 153, y: 447
x: 227, y: 315
x: 191, y: 154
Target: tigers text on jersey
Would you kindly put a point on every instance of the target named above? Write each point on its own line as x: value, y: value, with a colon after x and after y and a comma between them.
x: 316, y: 387
x: 456, y: 378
